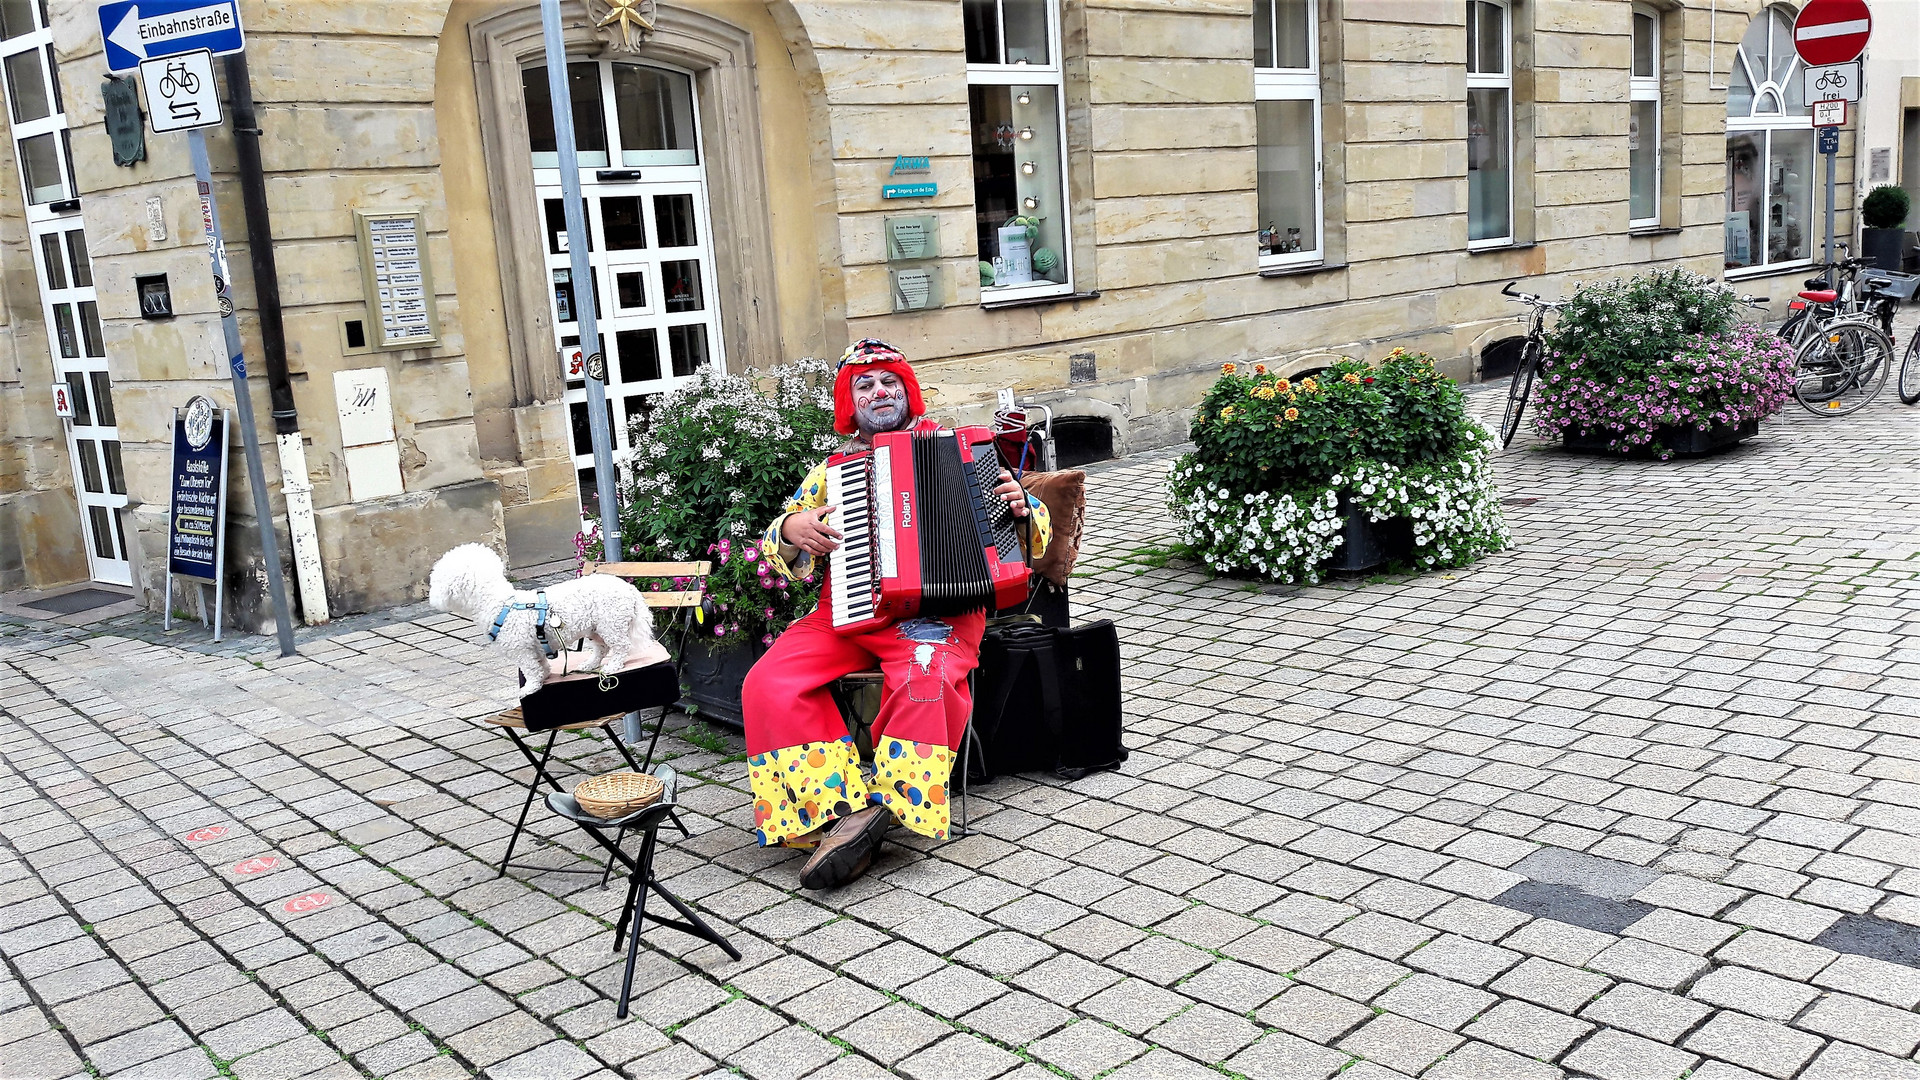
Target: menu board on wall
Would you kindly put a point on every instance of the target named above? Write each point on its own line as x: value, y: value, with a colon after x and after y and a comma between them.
x: 398, y: 279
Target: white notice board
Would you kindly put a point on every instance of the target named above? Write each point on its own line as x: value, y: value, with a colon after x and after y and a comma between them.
x: 398, y: 279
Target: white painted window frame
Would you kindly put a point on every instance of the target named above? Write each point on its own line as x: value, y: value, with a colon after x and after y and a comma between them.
x: 1297, y: 84
x: 1028, y: 74
x: 1766, y: 124
x: 1500, y: 81
x: 1647, y: 88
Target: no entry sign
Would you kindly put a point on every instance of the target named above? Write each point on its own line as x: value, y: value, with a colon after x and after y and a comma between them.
x: 1831, y: 31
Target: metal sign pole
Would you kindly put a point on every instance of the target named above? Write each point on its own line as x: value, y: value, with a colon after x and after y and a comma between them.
x: 242, y: 397
x: 1830, y: 148
x: 585, y: 310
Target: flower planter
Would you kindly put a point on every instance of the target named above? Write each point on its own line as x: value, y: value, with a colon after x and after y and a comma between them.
x: 1680, y: 441
x: 711, y: 677
x: 1366, y: 544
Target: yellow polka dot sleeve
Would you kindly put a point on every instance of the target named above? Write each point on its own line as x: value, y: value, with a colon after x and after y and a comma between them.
x: 789, y: 561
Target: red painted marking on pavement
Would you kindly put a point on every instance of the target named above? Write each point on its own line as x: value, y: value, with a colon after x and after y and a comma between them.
x: 259, y: 864
x: 307, y: 902
x: 201, y: 836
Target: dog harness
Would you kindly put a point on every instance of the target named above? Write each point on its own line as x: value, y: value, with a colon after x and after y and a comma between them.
x: 537, y: 605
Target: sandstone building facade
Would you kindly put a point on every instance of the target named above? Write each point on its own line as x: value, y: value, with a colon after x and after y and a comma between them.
x: 1095, y: 202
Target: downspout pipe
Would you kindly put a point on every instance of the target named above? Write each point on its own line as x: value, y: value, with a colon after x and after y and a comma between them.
x: 294, y: 482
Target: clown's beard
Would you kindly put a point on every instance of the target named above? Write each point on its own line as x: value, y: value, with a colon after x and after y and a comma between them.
x: 872, y: 423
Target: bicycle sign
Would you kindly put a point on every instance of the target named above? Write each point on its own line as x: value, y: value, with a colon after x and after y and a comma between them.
x: 1833, y: 82
x: 180, y: 91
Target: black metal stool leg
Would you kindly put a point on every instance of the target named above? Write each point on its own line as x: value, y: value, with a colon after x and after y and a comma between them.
x: 635, y: 883
x: 643, y: 876
x: 533, y: 788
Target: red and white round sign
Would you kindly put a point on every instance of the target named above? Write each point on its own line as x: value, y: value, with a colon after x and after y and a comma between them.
x: 1831, y: 31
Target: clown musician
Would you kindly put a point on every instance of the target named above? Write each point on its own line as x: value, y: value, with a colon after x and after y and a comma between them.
x: 809, y: 787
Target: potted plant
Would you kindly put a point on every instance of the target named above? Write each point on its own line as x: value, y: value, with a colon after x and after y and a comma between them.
x: 1658, y: 365
x: 1344, y: 470
x: 710, y: 466
x: 1881, y: 217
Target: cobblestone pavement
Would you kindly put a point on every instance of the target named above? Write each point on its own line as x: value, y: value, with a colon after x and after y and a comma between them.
x: 1635, y: 798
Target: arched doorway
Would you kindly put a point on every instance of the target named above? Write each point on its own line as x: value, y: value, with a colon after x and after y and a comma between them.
x: 1770, y: 160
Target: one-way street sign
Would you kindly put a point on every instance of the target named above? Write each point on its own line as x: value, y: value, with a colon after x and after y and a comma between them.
x: 136, y: 30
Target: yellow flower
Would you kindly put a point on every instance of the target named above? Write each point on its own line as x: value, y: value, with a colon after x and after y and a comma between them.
x: 1351, y: 377
x: 1264, y: 393
x: 1309, y: 385
x: 1228, y: 369
x: 1292, y: 414
x: 1396, y: 352
x: 1283, y: 386
x: 1227, y: 413
x: 1259, y: 369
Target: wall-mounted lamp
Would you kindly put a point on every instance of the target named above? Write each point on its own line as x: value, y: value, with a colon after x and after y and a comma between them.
x: 1026, y: 133
x: 1024, y: 98
x: 1028, y: 168
x: 1032, y: 203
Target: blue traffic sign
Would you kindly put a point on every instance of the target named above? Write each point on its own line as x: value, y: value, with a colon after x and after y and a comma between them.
x: 136, y: 30
x: 1829, y: 140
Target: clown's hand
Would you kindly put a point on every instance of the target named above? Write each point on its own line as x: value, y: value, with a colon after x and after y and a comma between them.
x: 808, y: 530
x: 1011, y: 491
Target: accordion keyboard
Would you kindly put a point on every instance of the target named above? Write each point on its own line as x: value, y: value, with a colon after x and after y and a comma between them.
x: 853, y: 568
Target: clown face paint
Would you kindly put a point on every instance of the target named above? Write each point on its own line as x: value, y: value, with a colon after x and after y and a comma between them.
x: 879, y: 402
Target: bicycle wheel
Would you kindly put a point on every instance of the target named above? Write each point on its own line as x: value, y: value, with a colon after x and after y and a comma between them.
x: 1790, y: 329
x: 1910, y: 372
x: 1842, y: 368
x: 1517, y: 392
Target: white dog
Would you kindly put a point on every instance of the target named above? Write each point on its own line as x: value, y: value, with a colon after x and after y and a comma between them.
x: 605, y: 611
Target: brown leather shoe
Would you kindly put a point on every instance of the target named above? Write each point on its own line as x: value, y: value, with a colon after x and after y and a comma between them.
x: 847, y: 849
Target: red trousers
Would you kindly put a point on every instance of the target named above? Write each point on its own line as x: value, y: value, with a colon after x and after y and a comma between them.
x: 800, y: 759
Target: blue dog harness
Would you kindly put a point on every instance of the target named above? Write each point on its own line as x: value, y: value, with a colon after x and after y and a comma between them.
x: 538, y: 605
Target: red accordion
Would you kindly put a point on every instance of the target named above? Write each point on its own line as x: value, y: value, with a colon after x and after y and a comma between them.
x: 922, y: 532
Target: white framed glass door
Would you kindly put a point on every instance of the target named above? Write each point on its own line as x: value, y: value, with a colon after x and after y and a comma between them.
x: 64, y: 273
x: 650, y: 237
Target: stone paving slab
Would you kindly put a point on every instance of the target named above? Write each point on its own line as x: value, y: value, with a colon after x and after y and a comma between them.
x: 1635, y: 798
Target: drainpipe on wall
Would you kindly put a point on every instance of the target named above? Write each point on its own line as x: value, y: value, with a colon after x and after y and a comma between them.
x: 294, y: 483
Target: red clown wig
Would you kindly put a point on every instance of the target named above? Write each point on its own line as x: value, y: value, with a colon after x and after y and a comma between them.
x: 865, y: 357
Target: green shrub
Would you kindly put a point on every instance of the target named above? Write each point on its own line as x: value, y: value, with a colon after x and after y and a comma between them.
x: 1886, y: 207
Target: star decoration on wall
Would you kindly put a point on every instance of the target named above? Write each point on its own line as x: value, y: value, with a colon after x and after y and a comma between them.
x: 635, y: 19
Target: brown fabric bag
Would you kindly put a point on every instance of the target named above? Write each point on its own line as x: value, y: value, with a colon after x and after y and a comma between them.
x: 1064, y: 494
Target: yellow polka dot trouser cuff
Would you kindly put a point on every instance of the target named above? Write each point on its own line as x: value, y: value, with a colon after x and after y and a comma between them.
x: 910, y: 779
x: 799, y: 788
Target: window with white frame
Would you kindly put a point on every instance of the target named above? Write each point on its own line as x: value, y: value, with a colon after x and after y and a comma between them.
x: 1018, y: 114
x: 1769, y: 149
x: 1286, y: 82
x: 1643, y: 121
x: 1489, y: 123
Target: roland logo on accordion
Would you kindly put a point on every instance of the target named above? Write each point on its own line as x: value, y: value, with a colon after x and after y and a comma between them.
x: 961, y: 552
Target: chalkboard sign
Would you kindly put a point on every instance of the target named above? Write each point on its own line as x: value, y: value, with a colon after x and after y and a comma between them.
x: 196, y: 529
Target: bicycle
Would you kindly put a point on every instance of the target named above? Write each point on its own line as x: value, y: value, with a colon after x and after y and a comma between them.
x: 1909, y: 388
x: 1842, y: 367
x: 1530, y: 354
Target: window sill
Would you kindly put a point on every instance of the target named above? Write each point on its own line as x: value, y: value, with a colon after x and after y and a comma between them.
x: 1300, y: 271
x: 1491, y: 248
x: 1035, y: 301
x: 1655, y: 230
x: 1776, y: 270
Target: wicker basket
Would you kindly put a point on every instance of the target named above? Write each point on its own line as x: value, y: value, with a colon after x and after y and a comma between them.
x: 617, y: 794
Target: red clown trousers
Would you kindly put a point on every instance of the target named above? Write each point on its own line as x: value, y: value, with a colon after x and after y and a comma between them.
x: 801, y: 761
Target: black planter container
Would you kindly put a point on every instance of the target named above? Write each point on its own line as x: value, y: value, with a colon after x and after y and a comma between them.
x: 711, y: 677
x: 1367, y: 543
x: 1682, y: 441
x: 1881, y: 247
